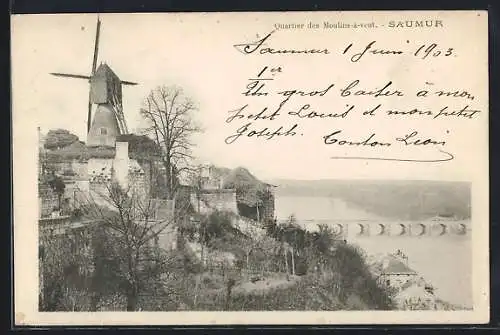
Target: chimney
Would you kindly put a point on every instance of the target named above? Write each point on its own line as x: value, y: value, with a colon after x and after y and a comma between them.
x: 121, y: 163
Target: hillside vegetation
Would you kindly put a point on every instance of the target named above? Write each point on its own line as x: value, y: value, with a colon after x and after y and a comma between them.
x: 248, y: 266
x: 324, y: 272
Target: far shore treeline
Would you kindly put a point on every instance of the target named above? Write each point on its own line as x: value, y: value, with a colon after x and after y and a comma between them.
x: 404, y: 200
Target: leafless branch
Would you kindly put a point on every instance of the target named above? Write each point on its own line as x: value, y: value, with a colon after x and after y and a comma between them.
x: 170, y: 117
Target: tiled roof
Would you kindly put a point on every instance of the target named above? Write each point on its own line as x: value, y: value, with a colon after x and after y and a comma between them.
x: 396, y: 266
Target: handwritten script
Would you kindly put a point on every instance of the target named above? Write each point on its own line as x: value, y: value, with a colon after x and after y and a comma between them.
x: 277, y: 110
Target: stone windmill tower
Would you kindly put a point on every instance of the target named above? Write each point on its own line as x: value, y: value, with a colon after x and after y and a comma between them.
x: 106, y: 94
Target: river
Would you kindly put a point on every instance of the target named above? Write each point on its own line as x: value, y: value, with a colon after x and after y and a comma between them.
x: 445, y: 261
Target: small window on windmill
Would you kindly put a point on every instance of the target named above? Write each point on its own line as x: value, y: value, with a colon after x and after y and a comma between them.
x: 103, y: 131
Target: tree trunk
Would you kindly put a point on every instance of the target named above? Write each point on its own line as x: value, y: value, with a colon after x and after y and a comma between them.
x: 293, y: 263
x: 198, y: 278
x: 228, y: 298
x: 59, y: 202
x: 286, y: 263
x: 132, y: 297
x: 168, y: 179
x: 94, y: 300
x: 198, y: 198
x: 248, y: 260
x: 151, y: 193
x: 196, y: 289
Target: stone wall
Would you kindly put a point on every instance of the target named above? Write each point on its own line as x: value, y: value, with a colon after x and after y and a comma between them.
x: 80, y: 169
x: 211, y: 200
x: 164, y: 213
x: 167, y: 239
x: 73, y: 168
x: 98, y: 194
x: 268, y: 207
x: 47, y: 200
x: 100, y: 169
x: 138, y: 180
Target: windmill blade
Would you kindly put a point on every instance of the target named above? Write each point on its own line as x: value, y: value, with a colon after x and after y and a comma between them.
x: 78, y: 76
x: 96, y: 45
x: 118, y: 109
x: 128, y: 82
x: 94, y: 64
x: 89, y: 115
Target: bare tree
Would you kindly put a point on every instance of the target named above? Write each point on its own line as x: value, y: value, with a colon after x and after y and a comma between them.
x: 134, y: 229
x: 169, y: 114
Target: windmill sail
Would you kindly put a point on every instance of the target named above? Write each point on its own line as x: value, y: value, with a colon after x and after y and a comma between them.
x: 77, y: 76
x: 94, y: 64
x: 105, y: 91
x: 118, y: 109
x: 96, y: 45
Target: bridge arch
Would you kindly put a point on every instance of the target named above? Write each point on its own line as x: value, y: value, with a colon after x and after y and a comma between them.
x: 338, y: 228
x: 360, y: 229
x: 380, y: 229
x: 399, y: 229
x: 442, y: 229
x: 419, y: 229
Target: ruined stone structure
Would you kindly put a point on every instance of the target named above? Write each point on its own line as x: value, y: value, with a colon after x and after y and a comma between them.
x: 211, y: 178
x: 206, y: 201
x: 235, y: 191
x: 268, y: 203
x: 47, y: 200
x: 71, y: 240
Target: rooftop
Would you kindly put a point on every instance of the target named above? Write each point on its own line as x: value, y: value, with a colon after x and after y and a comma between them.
x: 395, y: 266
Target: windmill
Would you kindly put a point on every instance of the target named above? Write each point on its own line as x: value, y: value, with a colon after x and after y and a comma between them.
x: 105, y: 92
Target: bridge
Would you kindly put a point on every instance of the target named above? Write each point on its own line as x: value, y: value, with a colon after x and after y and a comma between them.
x: 360, y: 228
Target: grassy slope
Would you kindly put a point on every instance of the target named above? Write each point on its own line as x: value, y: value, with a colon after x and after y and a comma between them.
x: 308, y: 293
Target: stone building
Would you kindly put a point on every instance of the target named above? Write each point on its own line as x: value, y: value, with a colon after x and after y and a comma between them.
x: 104, y: 129
x: 415, y: 296
x: 210, y: 194
x: 236, y: 190
x: 106, y: 92
x: 395, y: 273
x: 268, y: 203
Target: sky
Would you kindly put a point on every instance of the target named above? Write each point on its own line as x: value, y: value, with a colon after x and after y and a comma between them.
x: 195, y: 52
